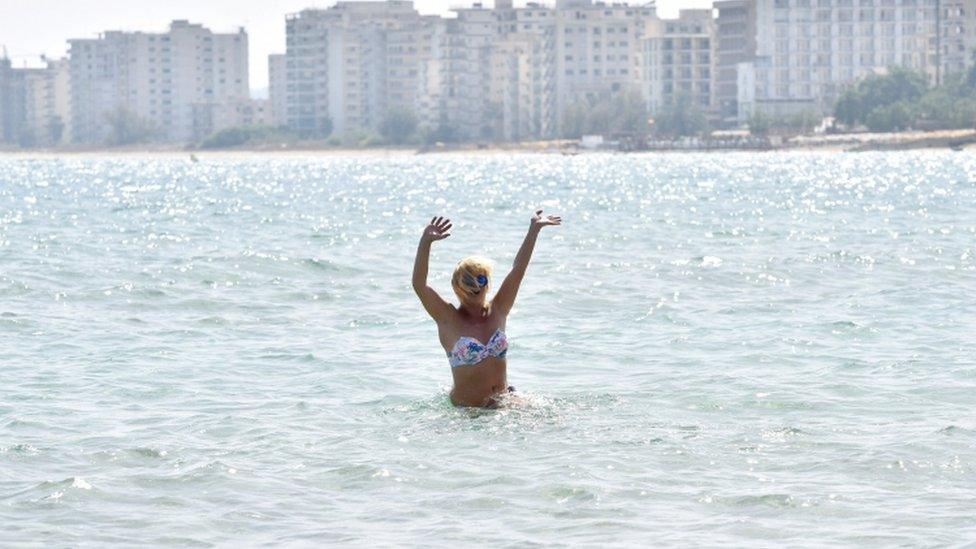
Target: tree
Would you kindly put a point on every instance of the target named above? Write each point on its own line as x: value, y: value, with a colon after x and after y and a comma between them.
x: 628, y: 113
x: 621, y: 112
x: 398, y: 125
x: 890, y: 118
x: 574, y: 121
x: 126, y: 128
x: 325, y: 127
x: 680, y: 117
x: 878, y: 91
x: 445, y: 132
x: 55, y: 129
x: 759, y: 123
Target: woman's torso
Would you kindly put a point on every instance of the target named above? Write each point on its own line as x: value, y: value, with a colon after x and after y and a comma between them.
x: 475, y: 384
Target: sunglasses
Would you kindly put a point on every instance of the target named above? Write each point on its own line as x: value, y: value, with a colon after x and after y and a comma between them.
x: 480, y: 281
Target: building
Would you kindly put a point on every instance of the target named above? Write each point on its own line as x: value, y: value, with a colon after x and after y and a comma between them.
x: 735, y: 42
x: 677, y: 59
x: 277, y: 88
x: 336, y: 65
x: 597, y: 50
x: 523, y: 73
x: 47, y: 108
x: 13, y: 100
x: 957, y: 36
x: 243, y: 112
x: 809, y: 51
x: 414, y: 63
x: 166, y: 84
x: 467, y: 96
x: 485, y: 74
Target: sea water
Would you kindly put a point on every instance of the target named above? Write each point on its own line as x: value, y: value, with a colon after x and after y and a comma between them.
x: 748, y: 348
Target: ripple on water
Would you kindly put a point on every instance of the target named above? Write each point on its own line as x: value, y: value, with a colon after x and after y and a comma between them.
x: 741, y: 349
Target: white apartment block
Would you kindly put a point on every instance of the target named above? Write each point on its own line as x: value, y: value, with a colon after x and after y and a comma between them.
x: 677, y: 59
x: 172, y: 81
x: 336, y: 65
x: 597, y: 49
x: 243, y: 112
x: 47, y: 104
x: 277, y: 88
x: 470, y: 39
x: 734, y: 43
x: 523, y: 72
x: 415, y: 70
x: 509, y: 73
x: 502, y: 73
x: 809, y: 51
x: 957, y: 37
x: 34, y: 104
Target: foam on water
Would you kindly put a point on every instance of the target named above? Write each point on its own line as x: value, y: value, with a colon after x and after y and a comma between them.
x: 751, y: 349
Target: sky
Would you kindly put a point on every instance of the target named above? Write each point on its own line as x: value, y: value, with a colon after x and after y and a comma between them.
x: 29, y: 28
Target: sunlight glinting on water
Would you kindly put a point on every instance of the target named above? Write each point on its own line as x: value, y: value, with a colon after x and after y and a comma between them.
x: 725, y: 348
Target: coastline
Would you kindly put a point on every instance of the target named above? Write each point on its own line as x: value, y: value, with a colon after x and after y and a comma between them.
x: 854, y: 142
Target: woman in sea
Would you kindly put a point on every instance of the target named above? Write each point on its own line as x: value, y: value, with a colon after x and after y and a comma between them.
x: 473, y: 333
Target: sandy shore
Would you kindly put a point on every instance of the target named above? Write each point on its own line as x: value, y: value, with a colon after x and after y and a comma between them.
x: 939, y: 140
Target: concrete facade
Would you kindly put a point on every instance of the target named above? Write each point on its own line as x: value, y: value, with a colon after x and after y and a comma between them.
x: 171, y: 83
x: 677, y: 58
x: 809, y: 51
x: 735, y: 42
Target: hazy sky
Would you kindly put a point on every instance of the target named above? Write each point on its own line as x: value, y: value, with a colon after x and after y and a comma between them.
x: 29, y: 28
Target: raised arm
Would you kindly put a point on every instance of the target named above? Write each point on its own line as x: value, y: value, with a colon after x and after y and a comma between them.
x: 505, y: 297
x: 435, y: 305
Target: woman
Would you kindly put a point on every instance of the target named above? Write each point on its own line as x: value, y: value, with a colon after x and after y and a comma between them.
x: 473, y: 334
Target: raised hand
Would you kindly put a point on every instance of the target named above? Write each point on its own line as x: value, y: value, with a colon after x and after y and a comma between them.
x: 437, y: 229
x: 538, y: 221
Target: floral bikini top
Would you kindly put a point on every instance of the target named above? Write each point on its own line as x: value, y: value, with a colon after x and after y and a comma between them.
x: 469, y: 350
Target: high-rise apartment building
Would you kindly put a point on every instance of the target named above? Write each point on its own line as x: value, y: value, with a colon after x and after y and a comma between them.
x: 809, y: 51
x: 33, y: 104
x: 13, y: 99
x: 47, y: 108
x: 523, y: 69
x: 500, y: 73
x: 597, y: 47
x: 277, y: 88
x: 677, y: 59
x: 735, y: 42
x: 414, y: 70
x: 957, y: 36
x: 470, y: 39
x: 172, y: 81
x: 336, y: 65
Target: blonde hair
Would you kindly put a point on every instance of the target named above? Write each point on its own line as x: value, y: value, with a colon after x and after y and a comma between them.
x: 467, y: 270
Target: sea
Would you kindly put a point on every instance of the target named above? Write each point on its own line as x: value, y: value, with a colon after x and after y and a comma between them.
x: 745, y: 349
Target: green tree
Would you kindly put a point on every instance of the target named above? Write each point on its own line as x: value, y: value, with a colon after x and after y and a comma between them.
x: 325, y: 127
x: 127, y: 129
x: 398, y: 125
x: 876, y: 91
x: 628, y: 112
x: 889, y: 118
x: 621, y: 112
x: 759, y: 123
x: 681, y: 117
x: 574, y: 121
x: 445, y: 132
x: 55, y: 129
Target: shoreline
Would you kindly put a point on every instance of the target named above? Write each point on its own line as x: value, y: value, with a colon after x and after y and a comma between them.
x: 865, y: 142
